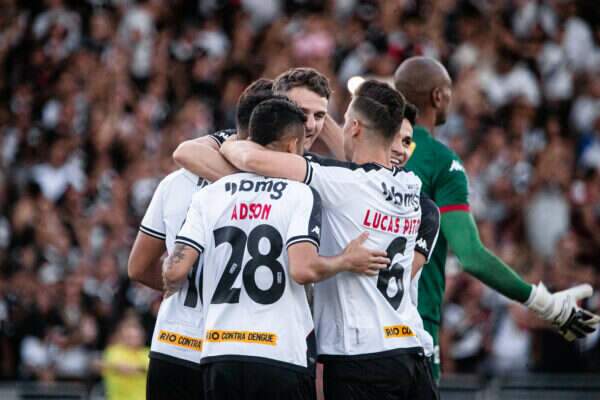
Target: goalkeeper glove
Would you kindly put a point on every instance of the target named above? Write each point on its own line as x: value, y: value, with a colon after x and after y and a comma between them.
x: 561, y: 309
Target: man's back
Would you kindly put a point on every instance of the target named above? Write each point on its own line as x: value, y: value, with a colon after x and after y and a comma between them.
x: 357, y: 315
x: 179, y: 315
x: 254, y: 310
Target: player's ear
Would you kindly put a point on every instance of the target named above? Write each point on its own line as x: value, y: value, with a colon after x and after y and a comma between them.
x: 437, y: 97
x: 356, y: 128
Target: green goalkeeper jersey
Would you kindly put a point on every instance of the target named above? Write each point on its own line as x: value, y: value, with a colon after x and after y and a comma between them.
x: 444, y: 181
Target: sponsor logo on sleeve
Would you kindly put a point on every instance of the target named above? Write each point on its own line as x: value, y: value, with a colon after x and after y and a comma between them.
x: 456, y: 166
x: 422, y: 243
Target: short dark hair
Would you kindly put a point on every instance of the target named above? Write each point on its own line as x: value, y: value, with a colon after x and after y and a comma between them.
x: 257, y: 92
x: 273, y: 118
x: 410, y: 113
x: 309, y: 78
x: 381, y: 105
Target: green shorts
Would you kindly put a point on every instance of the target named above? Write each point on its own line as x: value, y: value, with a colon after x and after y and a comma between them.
x: 434, y: 331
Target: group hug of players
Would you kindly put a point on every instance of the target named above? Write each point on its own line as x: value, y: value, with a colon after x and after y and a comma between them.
x: 289, y: 257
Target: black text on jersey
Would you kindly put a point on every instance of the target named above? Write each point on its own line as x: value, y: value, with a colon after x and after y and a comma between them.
x: 276, y: 188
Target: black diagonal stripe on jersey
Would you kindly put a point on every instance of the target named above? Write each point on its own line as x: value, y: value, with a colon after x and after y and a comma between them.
x: 314, y: 223
x: 309, y: 173
x: 189, y: 242
x: 300, y: 239
x: 152, y: 232
x: 430, y: 226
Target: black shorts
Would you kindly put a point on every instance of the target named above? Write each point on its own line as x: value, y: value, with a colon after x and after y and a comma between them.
x: 398, y: 377
x: 171, y: 380
x: 241, y: 380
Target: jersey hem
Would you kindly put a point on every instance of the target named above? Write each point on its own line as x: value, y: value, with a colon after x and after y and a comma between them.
x: 300, y: 239
x: 151, y: 232
x: 189, y: 242
x: 217, y: 140
x: 370, y: 356
x: 174, y: 360
x: 259, y: 360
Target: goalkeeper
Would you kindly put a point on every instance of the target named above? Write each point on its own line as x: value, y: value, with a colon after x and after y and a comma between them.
x: 426, y: 83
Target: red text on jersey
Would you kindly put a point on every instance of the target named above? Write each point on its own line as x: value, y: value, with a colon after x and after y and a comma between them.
x: 390, y: 223
x: 251, y: 211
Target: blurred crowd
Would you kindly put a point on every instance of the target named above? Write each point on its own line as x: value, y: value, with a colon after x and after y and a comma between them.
x: 96, y: 94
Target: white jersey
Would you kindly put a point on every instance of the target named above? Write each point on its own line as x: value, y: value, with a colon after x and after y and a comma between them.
x: 178, y: 330
x: 358, y: 314
x: 254, y: 310
x: 177, y: 334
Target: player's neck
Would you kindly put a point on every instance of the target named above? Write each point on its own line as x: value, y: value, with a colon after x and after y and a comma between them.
x: 376, y: 155
x: 427, y: 120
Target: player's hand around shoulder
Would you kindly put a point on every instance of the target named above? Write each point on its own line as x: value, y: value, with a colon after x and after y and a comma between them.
x: 362, y: 260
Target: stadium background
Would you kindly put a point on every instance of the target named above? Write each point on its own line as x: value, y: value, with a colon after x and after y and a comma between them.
x: 96, y: 94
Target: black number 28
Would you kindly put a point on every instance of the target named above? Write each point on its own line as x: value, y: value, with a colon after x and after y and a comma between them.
x: 238, y: 240
x: 397, y: 246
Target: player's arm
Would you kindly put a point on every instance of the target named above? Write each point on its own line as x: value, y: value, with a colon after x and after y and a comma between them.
x: 177, y: 266
x: 306, y: 266
x: 144, y: 260
x: 459, y: 228
x: 252, y: 157
x: 201, y: 156
x: 189, y: 245
x: 560, y: 308
x: 428, y: 233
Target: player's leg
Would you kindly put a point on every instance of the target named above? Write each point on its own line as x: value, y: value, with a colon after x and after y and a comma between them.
x: 434, y: 360
x: 167, y: 380
x: 223, y: 381
x: 264, y: 381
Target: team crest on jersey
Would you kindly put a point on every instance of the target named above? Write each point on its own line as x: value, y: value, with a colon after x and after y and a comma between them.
x: 456, y: 166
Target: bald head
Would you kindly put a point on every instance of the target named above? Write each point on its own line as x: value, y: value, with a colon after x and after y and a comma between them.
x: 425, y: 83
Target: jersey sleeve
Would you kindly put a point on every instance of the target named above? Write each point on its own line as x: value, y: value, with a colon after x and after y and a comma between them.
x: 192, y: 232
x: 153, y: 223
x: 333, y: 180
x: 429, y: 228
x: 452, y: 190
x: 305, y: 223
x: 221, y: 136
